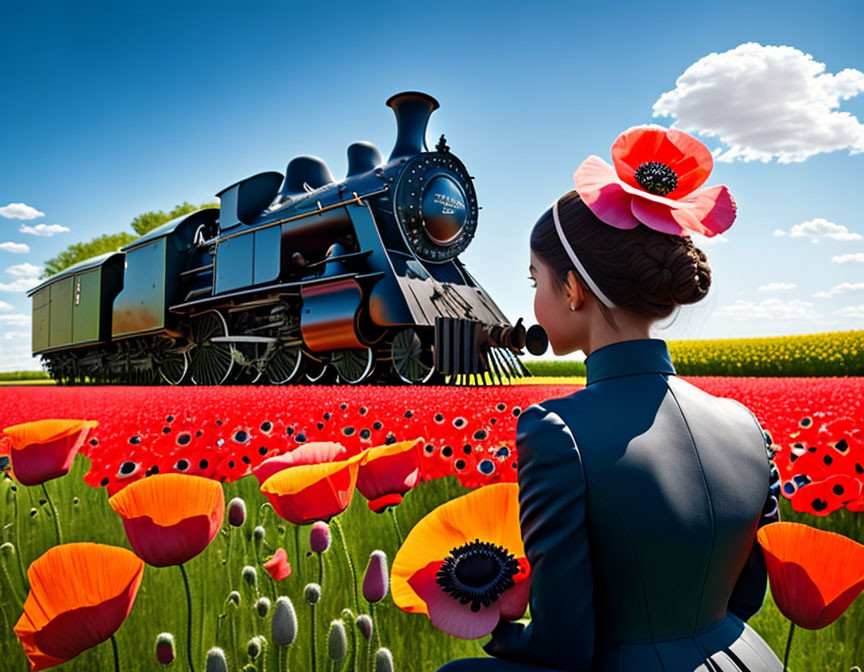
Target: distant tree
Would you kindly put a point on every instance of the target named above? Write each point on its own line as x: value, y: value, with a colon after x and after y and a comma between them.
x: 110, y: 242
x: 76, y: 252
x: 150, y: 220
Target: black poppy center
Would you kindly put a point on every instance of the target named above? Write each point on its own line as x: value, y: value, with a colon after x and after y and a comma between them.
x: 656, y: 177
x: 477, y: 572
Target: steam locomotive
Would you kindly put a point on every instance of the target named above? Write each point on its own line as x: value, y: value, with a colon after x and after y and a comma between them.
x: 296, y: 279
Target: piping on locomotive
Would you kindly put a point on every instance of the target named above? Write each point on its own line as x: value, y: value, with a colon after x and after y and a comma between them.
x: 296, y: 279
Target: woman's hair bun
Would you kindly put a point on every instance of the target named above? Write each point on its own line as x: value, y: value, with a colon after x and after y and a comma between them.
x: 669, y: 270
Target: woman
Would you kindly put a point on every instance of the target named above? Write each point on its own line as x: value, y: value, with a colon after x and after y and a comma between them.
x: 640, y: 495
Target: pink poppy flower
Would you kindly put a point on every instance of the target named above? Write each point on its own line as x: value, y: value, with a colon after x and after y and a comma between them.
x: 654, y: 182
x: 277, y: 566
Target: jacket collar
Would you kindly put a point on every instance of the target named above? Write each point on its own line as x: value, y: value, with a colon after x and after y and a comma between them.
x: 629, y: 358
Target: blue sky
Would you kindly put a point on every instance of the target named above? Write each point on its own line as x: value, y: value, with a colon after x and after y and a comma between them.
x: 108, y: 110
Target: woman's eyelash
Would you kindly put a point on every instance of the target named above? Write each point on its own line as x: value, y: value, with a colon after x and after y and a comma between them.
x: 534, y: 285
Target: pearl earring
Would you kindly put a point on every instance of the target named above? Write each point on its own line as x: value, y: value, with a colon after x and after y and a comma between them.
x: 572, y: 306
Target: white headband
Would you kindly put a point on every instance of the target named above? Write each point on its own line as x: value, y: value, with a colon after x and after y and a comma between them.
x: 576, y: 262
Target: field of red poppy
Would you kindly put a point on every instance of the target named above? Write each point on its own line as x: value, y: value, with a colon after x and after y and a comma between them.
x: 406, y: 451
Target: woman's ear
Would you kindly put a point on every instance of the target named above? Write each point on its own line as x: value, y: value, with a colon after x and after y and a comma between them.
x: 573, y: 293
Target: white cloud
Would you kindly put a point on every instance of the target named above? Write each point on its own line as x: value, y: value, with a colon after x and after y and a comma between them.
x: 843, y: 258
x: 20, y: 211
x: 851, y: 311
x: 766, y: 102
x: 776, y: 286
x: 15, y: 248
x: 15, y: 320
x: 25, y: 276
x: 778, y: 232
x: 819, y: 228
x: 15, y: 355
x: 44, y: 230
x: 6, y: 306
x: 840, y: 289
x: 16, y: 336
x: 768, y: 309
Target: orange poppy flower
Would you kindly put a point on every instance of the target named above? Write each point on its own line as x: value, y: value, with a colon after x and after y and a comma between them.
x: 388, y: 473
x: 170, y: 518
x: 45, y: 449
x: 79, y: 595
x: 307, y: 453
x: 464, y: 565
x: 815, y: 575
x: 311, y: 492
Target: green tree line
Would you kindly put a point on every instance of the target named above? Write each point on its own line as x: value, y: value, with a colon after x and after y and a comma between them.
x: 110, y: 242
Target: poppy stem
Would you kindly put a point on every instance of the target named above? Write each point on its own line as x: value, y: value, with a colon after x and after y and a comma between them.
x: 312, y: 607
x: 392, y: 511
x: 188, y: 618
x: 18, y: 544
x: 13, y: 591
x: 370, y: 662
x: 320, y: 569
x: 338, y: 526
x: 297, y: 544
x: 788, y: 644
x: 53, y: 511
x: 116, y: 655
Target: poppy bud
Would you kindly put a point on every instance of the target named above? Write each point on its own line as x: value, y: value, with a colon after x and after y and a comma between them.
x: 364, y: 625
x: 284, y: 627
x: 33, y: 512
x: 376, y: 582
x: 75, y: 501
x: 165, y: 648
x: 7, y: 549
x: 259, y: 533
x: 216, y: 660
x: 250, y: 576
x: 319, y: 537
x: 234, y: 598
x: 337, y: 641
x: 236, y: 512
x: 383, y: 660
x: 262, y: 606
x: 253, y: 648
x: 312, y: 593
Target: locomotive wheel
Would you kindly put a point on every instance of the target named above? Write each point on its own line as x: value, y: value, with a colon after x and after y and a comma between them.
x: 354, y: 365
x: 173, y: 367
x: 316, y: 369
x: 410, y: 360
x: 284, y: 366
x: 211, y: 363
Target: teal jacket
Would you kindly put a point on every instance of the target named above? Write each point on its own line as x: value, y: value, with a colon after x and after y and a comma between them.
x: 640, y: 496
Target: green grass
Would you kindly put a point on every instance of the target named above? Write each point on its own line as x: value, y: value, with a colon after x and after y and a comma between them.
x: 416, y: 645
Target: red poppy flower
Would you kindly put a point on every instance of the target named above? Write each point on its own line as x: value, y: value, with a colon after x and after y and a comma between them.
x: 277, y: 566
x: 170, y: 518
x: 79, y: 595
x: 388, y: 473
x: 464, y: 564
x: 311, y: 492
x: 307, y: 453
x: 45, y: 449
x: 653, y: 182
x: 814, y: 575
x: 823, y: 497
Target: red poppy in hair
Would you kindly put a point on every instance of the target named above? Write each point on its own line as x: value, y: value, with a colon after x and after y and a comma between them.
x: 814, y: 575
x: 45, y: 449
x: 170, y: 518
x: 389, y: 472
x: 79, y: 595
x: 654, y: 182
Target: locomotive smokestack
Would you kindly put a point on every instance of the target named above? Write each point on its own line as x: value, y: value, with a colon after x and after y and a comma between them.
x: 412, y: 110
